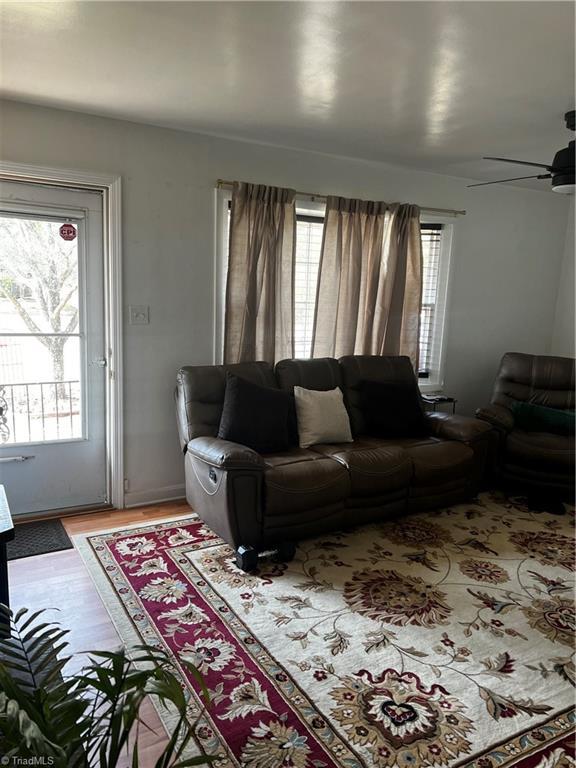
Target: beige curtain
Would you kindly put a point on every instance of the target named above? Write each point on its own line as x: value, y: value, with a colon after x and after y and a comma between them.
x: 369, y: 281
x: 259, y: 320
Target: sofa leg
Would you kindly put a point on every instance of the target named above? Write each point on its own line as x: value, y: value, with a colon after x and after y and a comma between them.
x: 246, y: 558
x: 285, y: 552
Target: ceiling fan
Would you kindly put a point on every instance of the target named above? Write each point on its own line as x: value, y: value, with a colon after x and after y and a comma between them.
x: 561, y: 171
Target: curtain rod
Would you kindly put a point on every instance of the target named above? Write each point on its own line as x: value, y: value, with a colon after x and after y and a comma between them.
x: 313, y: 196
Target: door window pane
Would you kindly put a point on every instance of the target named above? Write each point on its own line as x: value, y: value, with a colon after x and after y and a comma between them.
x: 40, y: 351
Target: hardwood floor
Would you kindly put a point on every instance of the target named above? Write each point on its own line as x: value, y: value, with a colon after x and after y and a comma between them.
x: 59, y: 580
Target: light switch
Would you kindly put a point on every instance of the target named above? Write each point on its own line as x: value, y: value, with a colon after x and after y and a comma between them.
x: 138, y: 314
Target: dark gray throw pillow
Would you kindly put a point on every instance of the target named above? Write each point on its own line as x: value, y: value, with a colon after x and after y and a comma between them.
x: 259, y: 417
x: 392, y: 409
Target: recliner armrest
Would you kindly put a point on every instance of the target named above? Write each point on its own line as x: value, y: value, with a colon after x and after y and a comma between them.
x: 224, y: 454
x: 451, y: 427
x: 498, y: 416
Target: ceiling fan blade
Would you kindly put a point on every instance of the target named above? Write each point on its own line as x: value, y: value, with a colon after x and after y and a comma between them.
x: 519, y: 162
x: 518, y: 178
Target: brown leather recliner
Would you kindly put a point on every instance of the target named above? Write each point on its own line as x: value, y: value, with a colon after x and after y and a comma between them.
x: 532, y: 461
x: 261, y: 502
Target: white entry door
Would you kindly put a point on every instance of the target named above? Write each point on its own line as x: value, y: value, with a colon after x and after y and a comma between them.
x: 52, y: 348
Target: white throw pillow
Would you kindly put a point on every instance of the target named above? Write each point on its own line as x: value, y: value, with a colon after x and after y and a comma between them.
x: 322, y: 417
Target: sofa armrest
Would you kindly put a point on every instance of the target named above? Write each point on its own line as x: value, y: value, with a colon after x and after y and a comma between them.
x: 451, y: 427
x: 481, y: 437
x: 498, y: 416
x: 224, y: 454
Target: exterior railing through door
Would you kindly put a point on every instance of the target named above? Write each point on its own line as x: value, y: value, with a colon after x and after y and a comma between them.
x: 40, y: 411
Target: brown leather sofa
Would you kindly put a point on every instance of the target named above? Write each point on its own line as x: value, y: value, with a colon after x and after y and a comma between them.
x: 532, y: 461
x: 264, y: 502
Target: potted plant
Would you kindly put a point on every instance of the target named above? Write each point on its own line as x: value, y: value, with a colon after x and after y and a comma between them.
x: 89, y: 719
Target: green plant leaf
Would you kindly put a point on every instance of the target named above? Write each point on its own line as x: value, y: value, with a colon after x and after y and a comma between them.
x: 22, y: 627
x: 85, y: 719
x: 196, y: 674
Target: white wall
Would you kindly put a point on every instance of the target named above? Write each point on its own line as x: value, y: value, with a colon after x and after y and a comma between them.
x: 506, y: 259
x: 563, y: 331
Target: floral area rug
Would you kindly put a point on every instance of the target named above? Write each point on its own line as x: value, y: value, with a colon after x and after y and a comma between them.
x: 439, y: 639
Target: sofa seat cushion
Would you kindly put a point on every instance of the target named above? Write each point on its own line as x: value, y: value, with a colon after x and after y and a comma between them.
x: 301, y: 480
x: 540, y: 449
x: 374, y: 469
x: 440, y: 462
x: 402, y: 442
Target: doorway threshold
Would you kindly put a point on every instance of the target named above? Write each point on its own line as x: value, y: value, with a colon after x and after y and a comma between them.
x: 48, y: 514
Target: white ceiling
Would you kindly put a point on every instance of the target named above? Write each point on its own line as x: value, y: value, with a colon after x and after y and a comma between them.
x: 431, y: 85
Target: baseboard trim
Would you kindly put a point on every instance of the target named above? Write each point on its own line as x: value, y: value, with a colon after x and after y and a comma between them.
x: 154, y: 496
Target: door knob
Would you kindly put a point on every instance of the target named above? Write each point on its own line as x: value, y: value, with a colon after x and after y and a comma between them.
x: 100, y: 361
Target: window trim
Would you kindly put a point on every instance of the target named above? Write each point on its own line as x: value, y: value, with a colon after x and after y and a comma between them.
x: 223, y: 198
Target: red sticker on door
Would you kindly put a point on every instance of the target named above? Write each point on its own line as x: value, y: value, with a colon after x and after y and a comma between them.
x: 68, y: 232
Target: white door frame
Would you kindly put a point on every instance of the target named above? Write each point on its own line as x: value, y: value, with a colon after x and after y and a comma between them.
x: 111, y: 188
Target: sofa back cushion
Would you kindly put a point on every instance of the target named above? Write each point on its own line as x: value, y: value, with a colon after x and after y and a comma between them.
x: 321, y: 373
x: 536, y: 379
x: 322, y: 417
x: 359, y: 368
x: 200, y: 395
x: 256, y: 416
x: 393, y: 410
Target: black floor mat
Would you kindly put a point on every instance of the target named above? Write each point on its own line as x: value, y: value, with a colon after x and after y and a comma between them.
x: 37, y: 538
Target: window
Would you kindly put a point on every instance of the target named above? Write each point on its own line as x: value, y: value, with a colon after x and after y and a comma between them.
x: 308, y: 246
x: 431, y: 235
x: 436, y: 243
x: 436, y: 249
x: 41, y: 355
x: 435, y: 252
